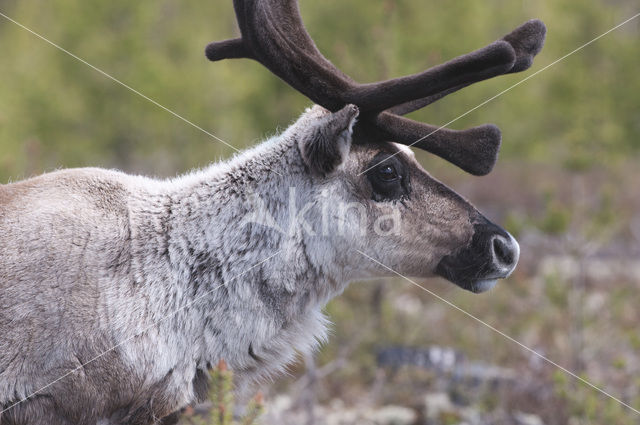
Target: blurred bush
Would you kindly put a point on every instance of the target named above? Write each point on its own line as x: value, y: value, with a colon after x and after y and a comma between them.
x: 57, y: 112
x: 222, y: 402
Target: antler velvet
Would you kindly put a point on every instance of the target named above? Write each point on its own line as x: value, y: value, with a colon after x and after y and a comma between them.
x: 274, y: 35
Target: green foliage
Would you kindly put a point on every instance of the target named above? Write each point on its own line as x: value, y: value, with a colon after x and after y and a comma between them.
x: 556, y: 220
x: 221, y: 397
x: 57, y: 112
x: 556, y: 290
x: 590, y: 407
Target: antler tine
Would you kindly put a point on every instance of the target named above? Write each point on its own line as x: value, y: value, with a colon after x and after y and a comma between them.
x: 527, y: 41
x: 494, y: 59
x: 227, y: 49
x: 475, y: 150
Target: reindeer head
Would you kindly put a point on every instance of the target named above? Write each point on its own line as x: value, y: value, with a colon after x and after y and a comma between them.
x: 362, y: 161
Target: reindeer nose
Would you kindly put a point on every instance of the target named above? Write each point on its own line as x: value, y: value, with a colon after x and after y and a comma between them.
x: 505, y: 252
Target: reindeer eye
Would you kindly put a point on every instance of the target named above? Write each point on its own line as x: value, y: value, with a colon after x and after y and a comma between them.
x: 387, y: 172
x: 388, y: 178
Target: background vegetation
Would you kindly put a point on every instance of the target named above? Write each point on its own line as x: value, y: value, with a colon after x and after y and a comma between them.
x: 566, y: 182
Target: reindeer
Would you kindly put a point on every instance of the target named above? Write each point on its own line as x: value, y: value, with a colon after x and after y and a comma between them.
x: 118, y: 292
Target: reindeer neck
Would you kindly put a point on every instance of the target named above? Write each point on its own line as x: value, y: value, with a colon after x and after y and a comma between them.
x: 256, y: 294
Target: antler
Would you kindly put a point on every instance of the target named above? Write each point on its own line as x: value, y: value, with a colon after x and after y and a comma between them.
x: 274, y: 35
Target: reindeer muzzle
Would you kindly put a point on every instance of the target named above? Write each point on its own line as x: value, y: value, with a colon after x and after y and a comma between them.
x: 492, y: 254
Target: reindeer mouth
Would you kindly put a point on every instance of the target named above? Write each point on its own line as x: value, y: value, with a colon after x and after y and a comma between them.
x: 483, y: 285
x: 477, y: 286
x: 492, y: 254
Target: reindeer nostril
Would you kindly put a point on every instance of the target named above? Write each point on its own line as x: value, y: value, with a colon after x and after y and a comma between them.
x: 503, y: 251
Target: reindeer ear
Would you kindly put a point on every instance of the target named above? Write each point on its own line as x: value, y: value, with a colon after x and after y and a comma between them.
x: 326, y: 141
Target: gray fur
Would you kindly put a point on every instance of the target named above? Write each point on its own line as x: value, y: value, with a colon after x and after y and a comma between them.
x: 89, y: 258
